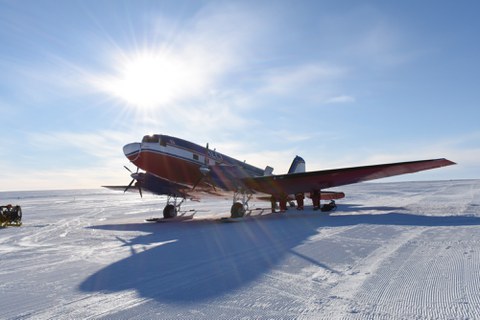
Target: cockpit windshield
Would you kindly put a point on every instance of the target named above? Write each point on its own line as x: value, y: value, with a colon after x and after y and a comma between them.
x: 151, y: 138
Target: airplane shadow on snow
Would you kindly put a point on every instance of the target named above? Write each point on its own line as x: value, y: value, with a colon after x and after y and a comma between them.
x: 199, y: 260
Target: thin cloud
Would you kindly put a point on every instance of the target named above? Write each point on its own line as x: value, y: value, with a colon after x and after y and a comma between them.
x: 101, y: 164
x: 366, y: 36
x: 100, y: 144
x: 340, y: 99
x: 78, y: 178
x: 290, y: 80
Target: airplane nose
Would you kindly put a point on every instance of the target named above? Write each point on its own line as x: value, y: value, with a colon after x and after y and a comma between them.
x: 136, y: 176
x: 132, y: 149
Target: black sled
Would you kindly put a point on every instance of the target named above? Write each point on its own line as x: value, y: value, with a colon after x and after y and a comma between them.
x: 331, y: 206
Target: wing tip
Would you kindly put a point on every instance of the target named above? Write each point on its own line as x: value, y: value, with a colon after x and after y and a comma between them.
x: 445, y: 162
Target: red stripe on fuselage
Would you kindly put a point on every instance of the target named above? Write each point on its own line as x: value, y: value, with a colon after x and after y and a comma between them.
x: 167, y: 166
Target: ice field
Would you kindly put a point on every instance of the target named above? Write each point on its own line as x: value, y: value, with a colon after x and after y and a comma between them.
x: 408, y: 250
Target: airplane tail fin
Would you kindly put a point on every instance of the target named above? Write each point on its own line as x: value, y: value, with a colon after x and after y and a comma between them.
x: 298, y: 165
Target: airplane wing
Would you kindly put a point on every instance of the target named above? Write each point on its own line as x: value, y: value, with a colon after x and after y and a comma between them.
x: 150, y: 183
x: 153, y: 184
x: 120, y: 188
x: 278, y: 185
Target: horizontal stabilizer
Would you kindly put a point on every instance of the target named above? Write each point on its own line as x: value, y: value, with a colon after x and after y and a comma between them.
x: 120, y: 188
x: 268, y: 171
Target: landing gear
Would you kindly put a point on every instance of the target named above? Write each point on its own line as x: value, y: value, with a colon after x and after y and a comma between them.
x: 240, y: 203
x: 169, y: 211
x: 172, y: 213
x: 237, y: 210
x: 172, y: 208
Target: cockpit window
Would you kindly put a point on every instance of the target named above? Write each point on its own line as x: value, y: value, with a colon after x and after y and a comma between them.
x: 153, y: 138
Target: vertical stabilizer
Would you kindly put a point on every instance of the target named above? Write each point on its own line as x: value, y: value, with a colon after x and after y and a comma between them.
x: 298, y: 165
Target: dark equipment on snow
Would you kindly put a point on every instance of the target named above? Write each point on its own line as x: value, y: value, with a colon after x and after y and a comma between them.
x: 10, y: 216
x: 329, y: 206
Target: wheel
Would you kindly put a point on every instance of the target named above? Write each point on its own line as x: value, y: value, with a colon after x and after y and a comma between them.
x: 238, y: 210
x: 3, y: 215
x: 18, y: 218
x: 169, y: 211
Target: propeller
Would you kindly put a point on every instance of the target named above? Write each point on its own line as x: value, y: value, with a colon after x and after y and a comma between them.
x: 205, y: 172
x: 135, y: 177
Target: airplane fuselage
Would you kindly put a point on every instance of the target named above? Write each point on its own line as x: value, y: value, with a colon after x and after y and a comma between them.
x: 182, y: 161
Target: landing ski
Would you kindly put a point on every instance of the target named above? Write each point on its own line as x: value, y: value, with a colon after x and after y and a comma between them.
x: 174, y: 219
x: 181, y: 217
x: 249, y: 217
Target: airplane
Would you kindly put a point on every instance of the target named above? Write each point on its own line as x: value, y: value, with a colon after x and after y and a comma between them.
x: 182, y: 169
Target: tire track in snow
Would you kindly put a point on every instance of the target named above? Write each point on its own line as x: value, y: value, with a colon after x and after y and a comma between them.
x: 423, y: 279
x: 86, y: 307
x: 408, y: 269
x: 428, y: 276
x: 343, y: 296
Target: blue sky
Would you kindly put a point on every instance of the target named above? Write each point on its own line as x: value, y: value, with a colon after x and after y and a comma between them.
x: 340, y: 83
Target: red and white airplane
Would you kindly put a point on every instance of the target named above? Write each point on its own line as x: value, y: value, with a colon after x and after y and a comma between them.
x: 180, y: 169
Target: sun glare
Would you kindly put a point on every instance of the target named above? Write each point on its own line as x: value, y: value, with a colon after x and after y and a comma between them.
x: 149, y: 80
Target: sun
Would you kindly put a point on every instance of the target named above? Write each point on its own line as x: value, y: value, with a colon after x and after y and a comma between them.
x: 150, y: 79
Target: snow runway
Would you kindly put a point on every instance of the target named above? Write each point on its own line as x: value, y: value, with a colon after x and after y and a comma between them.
x: 392, y: 250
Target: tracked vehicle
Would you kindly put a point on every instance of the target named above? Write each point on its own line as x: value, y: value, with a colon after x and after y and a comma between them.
x: 10, y: 216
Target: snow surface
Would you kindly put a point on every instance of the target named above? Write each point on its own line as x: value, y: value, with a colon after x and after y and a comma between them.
x: 390, y: 251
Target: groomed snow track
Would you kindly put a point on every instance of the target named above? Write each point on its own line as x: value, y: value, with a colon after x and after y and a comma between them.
x: 391, y: 251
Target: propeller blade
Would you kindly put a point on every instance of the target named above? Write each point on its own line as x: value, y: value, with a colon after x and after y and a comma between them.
x: 140, y: 190
x: 135, y: 177
x: 198, y: 181
x: 128, y: 169
x: 129, y: 185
